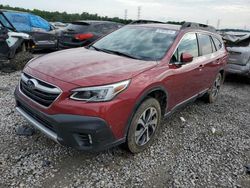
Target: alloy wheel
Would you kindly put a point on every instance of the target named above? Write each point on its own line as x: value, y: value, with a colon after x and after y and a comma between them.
x: 146, y: 126
x: 216, y: 86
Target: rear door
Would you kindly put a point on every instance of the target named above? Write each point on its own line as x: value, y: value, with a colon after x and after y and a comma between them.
x: 212, y: 59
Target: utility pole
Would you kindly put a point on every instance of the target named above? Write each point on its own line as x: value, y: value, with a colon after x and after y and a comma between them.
x: 218, y: 24
x: 139, y: 13
x: 125, y: 14
x: 207, y: 22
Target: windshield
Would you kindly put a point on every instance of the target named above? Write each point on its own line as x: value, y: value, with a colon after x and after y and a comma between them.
x: 5, y: 22
x: 139, y: 42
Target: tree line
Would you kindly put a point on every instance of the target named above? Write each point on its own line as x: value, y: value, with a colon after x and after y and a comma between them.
x: 65, y: 17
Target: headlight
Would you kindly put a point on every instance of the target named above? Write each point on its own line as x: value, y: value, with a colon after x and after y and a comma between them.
x: 99, y: 93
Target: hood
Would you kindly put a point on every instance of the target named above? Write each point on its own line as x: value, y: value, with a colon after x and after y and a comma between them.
x: 85, y: 67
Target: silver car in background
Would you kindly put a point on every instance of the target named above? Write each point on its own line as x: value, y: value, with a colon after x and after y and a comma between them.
x: 238, y: 46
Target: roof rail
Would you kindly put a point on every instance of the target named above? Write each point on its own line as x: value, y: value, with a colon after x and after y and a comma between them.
x: 198, y: 26
x: 145, y: 22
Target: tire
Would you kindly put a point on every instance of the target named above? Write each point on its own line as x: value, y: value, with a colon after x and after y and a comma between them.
x: 213, y: 92
x: 141, y: 133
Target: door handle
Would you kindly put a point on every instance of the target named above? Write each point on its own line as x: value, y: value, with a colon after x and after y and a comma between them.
x: 217, y: 61
x: 201, y: 67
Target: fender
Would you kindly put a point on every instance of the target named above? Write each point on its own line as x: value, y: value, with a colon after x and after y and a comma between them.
x: 140, y: 100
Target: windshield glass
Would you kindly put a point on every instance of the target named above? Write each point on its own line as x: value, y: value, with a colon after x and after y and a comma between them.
x: 139, y: 42
x: 4, y: 22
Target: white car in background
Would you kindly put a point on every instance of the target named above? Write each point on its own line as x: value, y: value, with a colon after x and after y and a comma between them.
x: 238, y: 46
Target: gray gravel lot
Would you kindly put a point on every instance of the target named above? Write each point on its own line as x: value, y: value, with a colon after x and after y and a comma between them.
x: 210, y: 149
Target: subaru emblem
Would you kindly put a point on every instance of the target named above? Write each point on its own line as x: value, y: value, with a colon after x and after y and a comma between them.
x: 31, y: 85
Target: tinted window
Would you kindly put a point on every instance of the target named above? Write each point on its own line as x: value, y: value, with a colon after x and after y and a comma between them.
x: 205, y: 44
x: 78, y: 28
x: 139, y: 42
x: 217, y: 43
x: 4, y: 21
x: 105, y: 28
x: 189, y: 45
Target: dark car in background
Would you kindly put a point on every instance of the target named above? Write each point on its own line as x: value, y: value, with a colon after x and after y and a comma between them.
x: 238, y: 46
x: 82, y: 33
x: 42, y: 32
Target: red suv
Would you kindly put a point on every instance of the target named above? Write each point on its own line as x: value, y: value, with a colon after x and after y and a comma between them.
x: 118, y: 89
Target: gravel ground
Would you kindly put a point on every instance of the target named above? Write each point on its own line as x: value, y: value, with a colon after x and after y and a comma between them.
x: 209, y: 149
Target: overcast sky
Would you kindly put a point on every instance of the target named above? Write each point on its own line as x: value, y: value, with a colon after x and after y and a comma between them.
x: 231, y: 13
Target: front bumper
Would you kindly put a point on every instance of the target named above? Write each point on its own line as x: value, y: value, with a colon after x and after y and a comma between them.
x: 42, y: 45
x: 80, y: 132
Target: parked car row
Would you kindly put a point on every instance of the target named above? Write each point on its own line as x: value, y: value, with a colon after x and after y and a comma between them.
x: 55, y: 35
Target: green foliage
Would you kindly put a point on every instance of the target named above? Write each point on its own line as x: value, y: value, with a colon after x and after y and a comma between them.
x: 65, y: 17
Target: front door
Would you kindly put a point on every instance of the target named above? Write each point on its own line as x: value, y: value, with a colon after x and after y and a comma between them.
x: 185, y: 79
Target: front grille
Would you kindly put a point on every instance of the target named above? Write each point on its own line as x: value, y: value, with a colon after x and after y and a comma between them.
x: 41, y: 120
x: 39, y: 91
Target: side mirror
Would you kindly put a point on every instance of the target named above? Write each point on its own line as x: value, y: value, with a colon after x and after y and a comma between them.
x: 186, y: 58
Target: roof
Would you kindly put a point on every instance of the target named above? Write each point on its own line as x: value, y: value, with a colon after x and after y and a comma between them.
x: 164, y: 26
x: 94, y: 22
x: 185, y: 26
x: 5, y: 10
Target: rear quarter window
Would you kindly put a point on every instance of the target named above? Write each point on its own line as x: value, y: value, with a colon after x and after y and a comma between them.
x: 217, y: 43
x: 78, y: 28
x: 105, y: 28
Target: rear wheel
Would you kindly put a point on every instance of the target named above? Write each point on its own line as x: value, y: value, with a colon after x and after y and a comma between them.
x: 144, y: 126
x: 213, y: 93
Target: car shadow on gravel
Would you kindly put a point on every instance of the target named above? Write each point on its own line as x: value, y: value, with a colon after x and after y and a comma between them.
x: 236, y: 79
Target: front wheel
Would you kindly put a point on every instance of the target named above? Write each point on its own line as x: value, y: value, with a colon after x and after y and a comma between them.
x: 213, y: 93
x: 144, y: 126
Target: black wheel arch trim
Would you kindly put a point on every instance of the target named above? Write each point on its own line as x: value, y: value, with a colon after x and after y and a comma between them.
x: 142, y: 97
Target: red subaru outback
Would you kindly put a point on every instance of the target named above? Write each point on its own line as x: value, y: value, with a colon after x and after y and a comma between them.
x: 118, y: 89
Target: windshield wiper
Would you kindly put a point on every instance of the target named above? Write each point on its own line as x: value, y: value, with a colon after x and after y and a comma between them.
x: 115, y: 52
x: 97, y: 49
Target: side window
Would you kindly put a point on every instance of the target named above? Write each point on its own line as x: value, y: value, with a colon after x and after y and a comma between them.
x: 38, y: 22
x: 205, y: 44
x: 217, y: 43
x: 105, y: 28
x: 189, y: 45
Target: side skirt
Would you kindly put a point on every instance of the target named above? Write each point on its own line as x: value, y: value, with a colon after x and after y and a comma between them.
x: 184, y: 103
